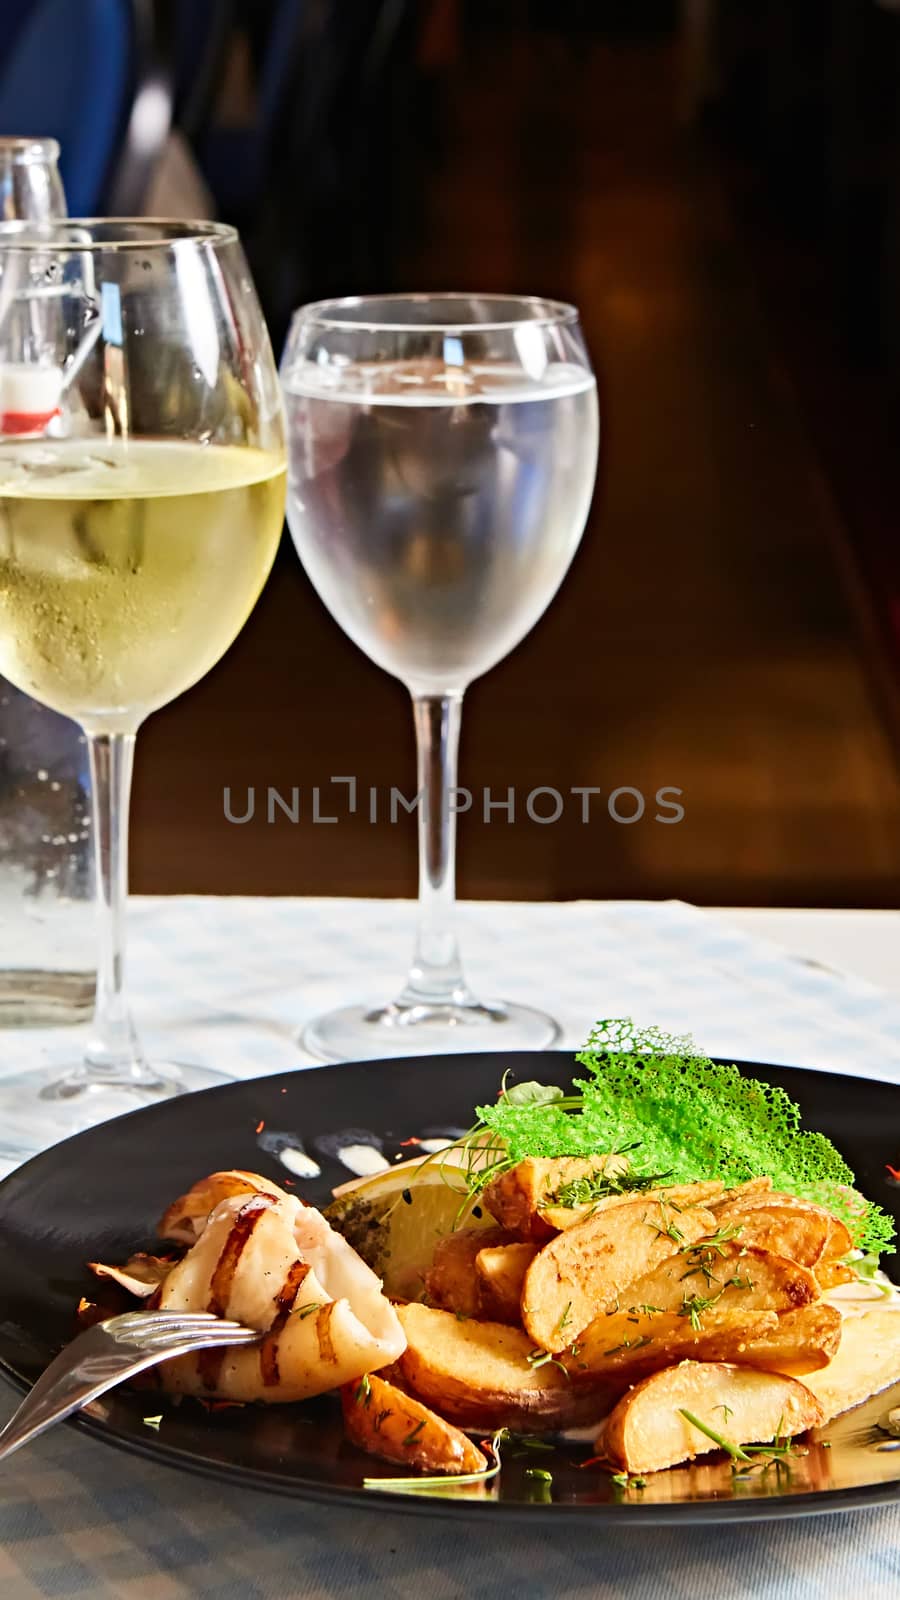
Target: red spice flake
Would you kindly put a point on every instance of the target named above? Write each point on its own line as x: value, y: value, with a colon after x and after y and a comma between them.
x: 85, y: 1305
x: 413, y: 1140
x: 260, y: 1125
x: 594, y: 1461
x: 288, y: 1183
x: 894, y: 1172
x: 225, y: 1405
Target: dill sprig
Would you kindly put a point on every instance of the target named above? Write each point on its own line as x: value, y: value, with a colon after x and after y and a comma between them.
x: 612, y: 1180
x: 543, y: 1358
x: 446, y: 1482
x: 744, y: 1458
x: 736, y: 1452
x: 629, y: 1344
x: 694, y: 1305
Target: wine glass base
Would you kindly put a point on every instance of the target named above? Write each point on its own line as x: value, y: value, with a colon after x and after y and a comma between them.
x: 358, y: 1033
x: 39, y: 1108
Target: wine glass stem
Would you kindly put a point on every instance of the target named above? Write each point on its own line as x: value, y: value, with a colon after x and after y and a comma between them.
x: 113, y: 1053
x: 436, y: 975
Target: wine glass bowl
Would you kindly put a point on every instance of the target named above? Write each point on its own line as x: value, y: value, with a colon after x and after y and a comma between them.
x: 442, y: 456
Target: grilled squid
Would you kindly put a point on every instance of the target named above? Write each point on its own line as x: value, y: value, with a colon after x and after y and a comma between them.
x: 261, y: 1256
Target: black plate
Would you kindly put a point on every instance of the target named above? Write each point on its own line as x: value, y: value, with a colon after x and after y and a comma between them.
x: 98, y: 1195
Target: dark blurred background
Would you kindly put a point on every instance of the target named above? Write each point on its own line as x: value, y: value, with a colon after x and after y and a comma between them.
x: 716, y: 183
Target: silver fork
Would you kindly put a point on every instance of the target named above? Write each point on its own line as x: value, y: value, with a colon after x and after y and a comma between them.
x: 107, y: 1354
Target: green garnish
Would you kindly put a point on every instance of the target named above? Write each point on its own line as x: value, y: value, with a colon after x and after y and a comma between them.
x: 702, y: 1256
x: 775, y: 1454
x: 627, y: 1480
x: 725, y: 1410
x: 306, y: 1311
x: 540, y: 1484
x: 666, y: 1228
x: 769, y: 1455
x: 542, y: 1358
x: 734, y: 1450
x: 865, y: 1268
x: 629, y: 1344
x: 587, y: 1191
x: 446, y: 1481
x: 565, y: 1319
x: 413, y: 1434
x: 694, y: 1305
x: 689, y: 1116
x: 363, y: 1393
x: 152, y: 1422
x: 526, y: 1442
x: 531, y: 1093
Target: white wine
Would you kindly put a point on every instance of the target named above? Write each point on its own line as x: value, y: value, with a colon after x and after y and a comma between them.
x: 436, y: 510
x: 127, y: 567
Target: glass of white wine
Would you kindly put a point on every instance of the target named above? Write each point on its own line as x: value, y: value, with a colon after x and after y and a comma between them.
x: 137, y: 528
x: 443, y: 450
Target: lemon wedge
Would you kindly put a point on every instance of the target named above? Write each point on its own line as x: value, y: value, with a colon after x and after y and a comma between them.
x: 395, y: 1219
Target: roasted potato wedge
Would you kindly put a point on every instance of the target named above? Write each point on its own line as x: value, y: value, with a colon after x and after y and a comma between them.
x: 791, y: 1227
x: 384, y: 1421
x: 794, y: 1343
x: 647, y: 1431
x: 801, y: 1342
x: 451, y: 1281
x: 735, y: 1279
x: 582, y: 1273
x: 839, y: 1240
x: 635, y: 1345
x: 867, y: 1360
x: 516, y: 1197
x: 500, y: 1270
x: 830, y: 1273
x: 754, y: 1193
x: 800, y: 1235
x: 741, y: 1191
x: 478, y: 1374
x: 558, y: 1218
x: 186, y: 1218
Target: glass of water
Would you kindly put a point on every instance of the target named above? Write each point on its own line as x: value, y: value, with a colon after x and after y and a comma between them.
x: 47, y: 970
x: 442, y: 456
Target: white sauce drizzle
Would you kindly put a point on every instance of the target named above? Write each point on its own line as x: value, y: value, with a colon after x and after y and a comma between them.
x: 363, y: 1159
x: 298, y: 1162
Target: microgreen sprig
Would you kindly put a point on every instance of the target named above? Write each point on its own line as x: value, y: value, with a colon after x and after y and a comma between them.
x: 446, y: 1482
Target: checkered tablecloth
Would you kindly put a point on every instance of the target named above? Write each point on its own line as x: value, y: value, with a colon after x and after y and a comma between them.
x: 231, y: 981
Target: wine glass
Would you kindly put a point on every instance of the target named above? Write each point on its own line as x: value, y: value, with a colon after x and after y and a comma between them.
x: 137, y: 528
x: 442, y: 454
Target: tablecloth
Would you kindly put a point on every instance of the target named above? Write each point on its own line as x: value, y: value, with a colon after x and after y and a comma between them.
x: 231, y: 981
